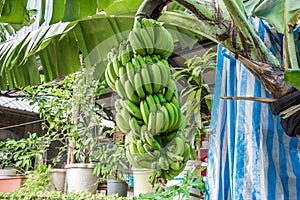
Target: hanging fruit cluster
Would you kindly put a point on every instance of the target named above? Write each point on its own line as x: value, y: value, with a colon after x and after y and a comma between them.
x: 148, y: 111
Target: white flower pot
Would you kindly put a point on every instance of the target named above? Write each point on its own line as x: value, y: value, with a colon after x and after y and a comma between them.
x: 141, y: 183
x: 57, y: 179
x: 80, y: 178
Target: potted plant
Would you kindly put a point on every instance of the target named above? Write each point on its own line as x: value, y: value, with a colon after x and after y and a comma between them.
x: 20, y: 156
x: 112, y: 165
x: 86, y: 133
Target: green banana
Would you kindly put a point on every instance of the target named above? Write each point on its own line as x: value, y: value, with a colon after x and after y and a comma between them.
x: 133, y: 109
x: 113, y: 76
x: 151, y: 153
x: 120, y: 89
x: 139, y: 86
x: 161, y: 98
x: 142, y: 150
x: 187, y: 152
x: 151, y: 123
x: 145, y: 111
x: 116, y: 66
x: 151, y: 103
x: 136, y: 43
x: 174, y: 100
x: 122, y: 124
x: 132, y: 136
x: 175, y: 166
x: 125, y: 55
x: 118, y: 105
x: 130, y: 72
x: 125, y: 114
x: 148, y: 25
x: 141, y: 60
x: 166, y: 139
x: 160, y: 121
x: 130, y: 93
x: 179, y: 118
x: 166, y: 73
x: 129, y: 156
x: 146, y: 80
x: 179, y: 143
x: 163, y: 162
x: 148, y: 59
x: 133, y: 123
x: 122, y: 75
x: 174, y: 157
x: 146, y: 38
x: 129, y: 50
x: 110, y: 83
x: 156, y: 77
x: 164, y: 44
x: 170, y: 90
x: 172, y: 115
x: 144, y: 163
x: 120, y: 50
x: 157, y: 101
x: 136, y: 65
x: 166, y: 119
x: 151, y: 141
x: 176, y: 116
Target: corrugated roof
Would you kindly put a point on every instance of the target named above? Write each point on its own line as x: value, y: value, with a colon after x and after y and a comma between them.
x: 17, y: 104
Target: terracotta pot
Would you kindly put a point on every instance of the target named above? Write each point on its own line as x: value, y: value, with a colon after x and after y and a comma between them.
x: 10, y: 183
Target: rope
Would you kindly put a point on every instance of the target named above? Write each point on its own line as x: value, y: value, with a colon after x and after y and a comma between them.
x: 23, y: 124
x: 290, y: 111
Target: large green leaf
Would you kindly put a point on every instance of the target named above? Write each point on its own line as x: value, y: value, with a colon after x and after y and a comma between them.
x: 280, y: 13
x: 77, y: 9
x: 58, y: 47
x: 14, y: 11
x: 292, y: 76
x: 119, y: 6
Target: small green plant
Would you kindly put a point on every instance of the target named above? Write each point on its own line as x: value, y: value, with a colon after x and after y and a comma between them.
x: 181, y: 191
x: 22, y: 154
x: 197, y: 99
x: 110, y: 160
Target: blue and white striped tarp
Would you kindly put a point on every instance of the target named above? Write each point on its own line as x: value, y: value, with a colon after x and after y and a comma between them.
x: 250, y: 157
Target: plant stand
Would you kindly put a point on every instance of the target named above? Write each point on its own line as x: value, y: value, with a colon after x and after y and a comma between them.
x: 80, y: 178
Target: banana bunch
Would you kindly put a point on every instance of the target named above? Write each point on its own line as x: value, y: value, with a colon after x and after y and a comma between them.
x: 148, y: 111
x: 150, y: 37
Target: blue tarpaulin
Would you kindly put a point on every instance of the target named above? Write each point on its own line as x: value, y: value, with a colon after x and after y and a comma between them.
x: 250, y: 157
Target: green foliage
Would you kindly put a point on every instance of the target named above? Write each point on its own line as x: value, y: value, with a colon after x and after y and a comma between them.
x: 57, y: 102
x: 198, y: 94
x: 21, y: 154
x: 88, y: 129
x: 36, y: 187
x: 110, y: 160
x: 291, y: 76
x: 43, y: 195
x: 181, y: 191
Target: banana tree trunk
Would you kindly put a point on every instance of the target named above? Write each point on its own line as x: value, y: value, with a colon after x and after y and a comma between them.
x: 227, y: 25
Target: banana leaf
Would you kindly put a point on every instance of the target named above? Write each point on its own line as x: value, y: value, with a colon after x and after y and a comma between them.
x: 292, y: 76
